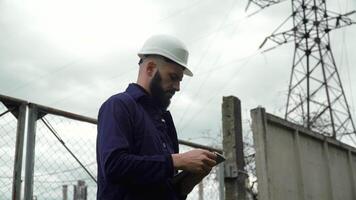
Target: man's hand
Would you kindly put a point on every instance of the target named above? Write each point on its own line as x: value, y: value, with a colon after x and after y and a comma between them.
x: 197, y: 161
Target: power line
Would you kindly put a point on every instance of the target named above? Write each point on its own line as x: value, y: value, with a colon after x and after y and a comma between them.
x: 189, y: 43
x: 229, y: 80
x: 229, y: 64
x: 131, y: 69
x: 220, y: 90
x: 312, y: 23
x: 48, y: 74
x: 231, y: 8
x: 190, y: 6
x: 69, y: 64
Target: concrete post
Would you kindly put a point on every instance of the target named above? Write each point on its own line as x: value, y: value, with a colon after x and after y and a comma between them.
x: 30, y: 151
x: 80, y: 191
x: 259, y: 128
x: 65, y: 192
x: 235, y: 178
x: 16, y: 184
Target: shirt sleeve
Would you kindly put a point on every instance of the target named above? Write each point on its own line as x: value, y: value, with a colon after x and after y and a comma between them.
x: 115, y: 129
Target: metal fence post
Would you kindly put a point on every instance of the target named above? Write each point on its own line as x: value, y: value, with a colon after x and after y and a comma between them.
x: 235, y: 178
x: 30, y: 151
x: 221, y: 181
x: 201, y: 191
x: 20, y: 132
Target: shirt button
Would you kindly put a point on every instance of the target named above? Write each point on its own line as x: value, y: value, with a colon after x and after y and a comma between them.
x: 163, y: 120
x: 164, y: 145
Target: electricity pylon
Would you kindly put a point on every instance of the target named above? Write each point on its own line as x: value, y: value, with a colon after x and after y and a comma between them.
x: 261, y: 4
x: 316, y: 98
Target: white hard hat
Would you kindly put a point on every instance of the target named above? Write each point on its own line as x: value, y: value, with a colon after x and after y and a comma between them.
x: 169, y: 47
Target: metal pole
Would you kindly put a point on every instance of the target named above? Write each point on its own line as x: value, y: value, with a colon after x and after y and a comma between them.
x: 221, y: 181
x: 201, y: 191
x: 75, y: 192
x: 21, y: 120
x: 235, y: 182
x: 199, y: 146
x: 85, y: 192
x: 30, y: 151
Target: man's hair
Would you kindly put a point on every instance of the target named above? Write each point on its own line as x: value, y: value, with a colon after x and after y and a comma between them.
x: 156, y: 56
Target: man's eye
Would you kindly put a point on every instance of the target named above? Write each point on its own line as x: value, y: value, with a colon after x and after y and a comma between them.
x: 173, y: 78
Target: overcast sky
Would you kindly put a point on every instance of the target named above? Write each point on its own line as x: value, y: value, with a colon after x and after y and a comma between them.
x: 74, y: 54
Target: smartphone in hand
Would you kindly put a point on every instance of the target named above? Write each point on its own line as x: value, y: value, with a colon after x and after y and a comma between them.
x: 178, y: 177
x: 219, y: 158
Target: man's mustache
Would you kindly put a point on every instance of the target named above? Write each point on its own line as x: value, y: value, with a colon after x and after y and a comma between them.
x: 172, y: 92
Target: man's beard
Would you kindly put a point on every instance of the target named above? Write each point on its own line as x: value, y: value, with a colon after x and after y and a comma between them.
x: 161, y: 97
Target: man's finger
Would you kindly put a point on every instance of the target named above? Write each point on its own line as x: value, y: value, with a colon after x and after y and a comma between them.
x: 210, y: 155
x: 209, y: 162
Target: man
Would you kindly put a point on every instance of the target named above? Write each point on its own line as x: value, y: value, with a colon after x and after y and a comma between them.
x: 137, y: 145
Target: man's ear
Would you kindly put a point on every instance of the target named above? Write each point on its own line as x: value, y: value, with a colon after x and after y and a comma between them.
x: 151, y: 68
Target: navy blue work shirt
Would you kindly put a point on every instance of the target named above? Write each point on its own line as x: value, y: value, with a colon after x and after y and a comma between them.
x: 134, y: 145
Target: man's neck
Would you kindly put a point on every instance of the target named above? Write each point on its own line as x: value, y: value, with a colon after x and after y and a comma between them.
x: 145, y: 87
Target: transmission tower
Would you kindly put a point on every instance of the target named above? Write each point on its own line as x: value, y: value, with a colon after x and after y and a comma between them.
x: 316, y: 98
x: 261, y: 4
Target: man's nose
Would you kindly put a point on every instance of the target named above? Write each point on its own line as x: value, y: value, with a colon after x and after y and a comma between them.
x: 176, y: 86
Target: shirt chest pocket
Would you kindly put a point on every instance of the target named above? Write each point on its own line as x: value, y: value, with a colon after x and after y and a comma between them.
x: 150, y: 136
x: 161, y: 127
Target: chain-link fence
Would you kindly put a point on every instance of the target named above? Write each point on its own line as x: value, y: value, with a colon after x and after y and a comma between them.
x: 60, y: 157
x: 64, y: 155
x: 250, y: 161
x: 12, y: 127
x: 7, y: 150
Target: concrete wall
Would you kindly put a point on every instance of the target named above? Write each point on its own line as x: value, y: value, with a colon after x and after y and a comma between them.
x: 297, y: 164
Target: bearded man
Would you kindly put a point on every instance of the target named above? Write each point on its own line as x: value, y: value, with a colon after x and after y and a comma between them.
x: 137, y: 145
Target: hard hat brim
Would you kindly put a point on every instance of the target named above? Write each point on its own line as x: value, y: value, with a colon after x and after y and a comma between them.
x: 186, y: 70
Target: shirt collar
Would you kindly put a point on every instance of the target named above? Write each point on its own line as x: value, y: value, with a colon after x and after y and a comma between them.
x: 138, y: 93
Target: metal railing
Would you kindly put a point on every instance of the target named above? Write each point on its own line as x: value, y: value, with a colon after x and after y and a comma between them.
x: 60, y: 155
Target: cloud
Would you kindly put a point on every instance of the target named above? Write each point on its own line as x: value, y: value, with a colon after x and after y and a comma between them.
x: 74, y: 55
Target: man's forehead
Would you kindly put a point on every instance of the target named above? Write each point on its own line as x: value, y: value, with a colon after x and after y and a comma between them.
x: 176, y: 69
